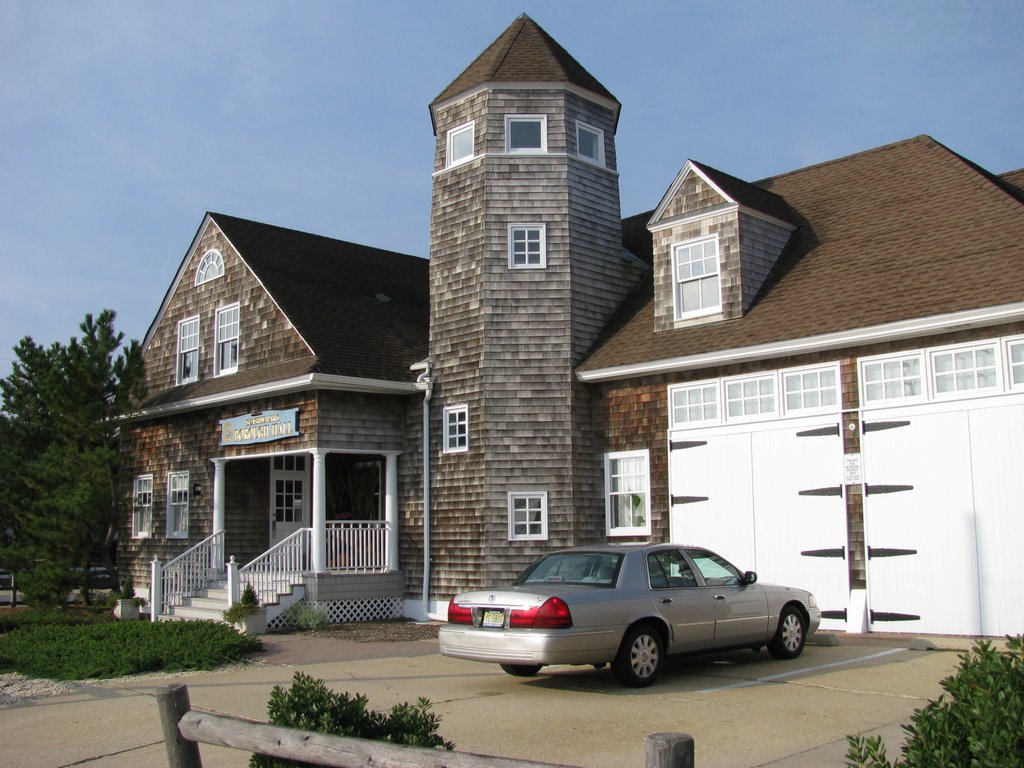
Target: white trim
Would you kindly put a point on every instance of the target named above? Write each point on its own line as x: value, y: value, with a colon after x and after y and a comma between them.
x: 686, y: 170
x: 303, y: 383
x: 636, y: 530
x: 526, y: 118
x: 678, y: 312
x: 594, y: 98
x: 542, y: 228
x: 588, y: 128
x: 211, y: 256
x: 723, y: 210
x: 447, y: 434
x: 902, y: 329
x: 450, y: 160
x: 543, y: 535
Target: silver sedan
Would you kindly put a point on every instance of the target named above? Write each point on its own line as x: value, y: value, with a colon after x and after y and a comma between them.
x: 629, y: 606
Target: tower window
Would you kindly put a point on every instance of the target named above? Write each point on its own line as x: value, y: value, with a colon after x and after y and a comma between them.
x: 526, y: 133
x: 527, y: 247
x: 590, y: 143
x: 460, y: 144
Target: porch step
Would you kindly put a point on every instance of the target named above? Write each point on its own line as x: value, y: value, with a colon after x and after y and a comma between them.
x: 208, y: 604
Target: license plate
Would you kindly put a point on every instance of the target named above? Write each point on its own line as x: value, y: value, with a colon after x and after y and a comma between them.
x: 493, y: 619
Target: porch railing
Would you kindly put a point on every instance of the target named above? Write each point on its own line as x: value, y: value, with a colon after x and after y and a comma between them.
x: 275, y: 571
x: 357, y: 546
x: 191, y: 571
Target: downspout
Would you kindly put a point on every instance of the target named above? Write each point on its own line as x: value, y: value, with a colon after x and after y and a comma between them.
x: 426, y: 383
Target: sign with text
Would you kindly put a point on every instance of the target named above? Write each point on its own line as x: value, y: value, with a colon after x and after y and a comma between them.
x: 263, y: 427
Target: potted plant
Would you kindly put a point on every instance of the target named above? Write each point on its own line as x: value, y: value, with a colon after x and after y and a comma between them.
x: 126, y: 604
x: 247, y: 614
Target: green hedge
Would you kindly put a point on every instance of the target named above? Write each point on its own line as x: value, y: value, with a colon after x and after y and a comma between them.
x: 116, y: 649
x: 977, y: 723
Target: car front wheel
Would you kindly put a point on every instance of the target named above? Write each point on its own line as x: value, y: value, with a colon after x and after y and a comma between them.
x: 640, y: 658
x: 789, y: 638
x: 521, y: 670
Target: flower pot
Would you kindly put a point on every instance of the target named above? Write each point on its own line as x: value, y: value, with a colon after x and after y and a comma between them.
x: 127, y: 609
x: 254, y: 623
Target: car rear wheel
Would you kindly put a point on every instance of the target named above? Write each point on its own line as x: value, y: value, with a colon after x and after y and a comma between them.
x: 521, y: 670
x: 640, y: 658
x: 789, y: 638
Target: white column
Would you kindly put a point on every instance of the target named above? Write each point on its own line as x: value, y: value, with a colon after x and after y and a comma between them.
x: 219, y: 466
x: 391, y: 510
x: 319, y: 554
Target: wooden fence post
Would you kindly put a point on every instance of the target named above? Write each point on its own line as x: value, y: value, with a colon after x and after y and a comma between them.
x: 669, y: 750
x: 173, y: 702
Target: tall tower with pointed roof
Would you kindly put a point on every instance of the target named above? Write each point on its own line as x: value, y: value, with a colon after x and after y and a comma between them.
x: 526, y: 268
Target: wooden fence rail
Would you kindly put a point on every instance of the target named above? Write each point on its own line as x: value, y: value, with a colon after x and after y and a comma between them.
x: 184, y: 729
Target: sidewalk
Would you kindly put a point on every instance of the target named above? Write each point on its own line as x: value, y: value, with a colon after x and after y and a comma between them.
x: 743, y: 709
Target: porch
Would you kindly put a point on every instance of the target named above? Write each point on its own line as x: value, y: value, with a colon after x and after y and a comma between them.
x: 350, y: 573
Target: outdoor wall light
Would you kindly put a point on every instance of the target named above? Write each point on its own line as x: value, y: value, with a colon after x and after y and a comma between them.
x: 197, y: 490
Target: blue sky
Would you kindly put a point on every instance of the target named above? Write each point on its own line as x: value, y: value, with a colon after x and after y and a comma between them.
x: 122, y: 123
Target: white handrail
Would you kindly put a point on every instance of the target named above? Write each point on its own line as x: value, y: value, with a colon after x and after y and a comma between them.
x: 190, y: 571
x: 275, y: 571
x: 357, y: 546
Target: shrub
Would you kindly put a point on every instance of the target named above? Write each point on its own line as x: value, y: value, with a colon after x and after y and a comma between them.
x: 310, y: 706
x: 305, y: 615
x: 247, y: 605
x: 29, y: 617
x: 115, y: 649
x: 978, y: 722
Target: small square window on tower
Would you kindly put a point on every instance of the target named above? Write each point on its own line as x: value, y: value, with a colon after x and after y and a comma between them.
x: 456, y: 429
x: 527, y: 246
x: 460, y: 144
x: 526, y: 133
x: 590, y: 143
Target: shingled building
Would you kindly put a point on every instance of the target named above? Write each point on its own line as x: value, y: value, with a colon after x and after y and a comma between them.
x: 819, y: 375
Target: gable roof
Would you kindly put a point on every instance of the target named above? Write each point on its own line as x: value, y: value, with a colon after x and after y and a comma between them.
x: 524, y: 53
x: 906, y: 231
x: 363, y: 312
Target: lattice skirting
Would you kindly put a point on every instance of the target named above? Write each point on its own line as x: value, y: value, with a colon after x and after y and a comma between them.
x: 343, y: 611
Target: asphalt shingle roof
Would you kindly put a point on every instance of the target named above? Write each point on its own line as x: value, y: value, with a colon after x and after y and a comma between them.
x: 904, y: 231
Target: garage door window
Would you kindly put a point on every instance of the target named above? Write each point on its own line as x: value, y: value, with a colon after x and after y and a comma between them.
x: 750, y: 397
x: 965, y: 370
x: 810, y: 390
x: 627, y: 493
x: 892, y: 379
x: 696, y: 405
x: 1016, y: 357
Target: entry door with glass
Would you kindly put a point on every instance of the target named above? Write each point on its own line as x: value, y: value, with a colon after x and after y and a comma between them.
x: 288, y: 505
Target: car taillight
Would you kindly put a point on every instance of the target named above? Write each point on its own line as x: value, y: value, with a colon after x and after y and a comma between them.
x: 459, y: 614
x: 553, y: 614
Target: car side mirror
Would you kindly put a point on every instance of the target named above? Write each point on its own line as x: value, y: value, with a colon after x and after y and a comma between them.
x: 749, y: 578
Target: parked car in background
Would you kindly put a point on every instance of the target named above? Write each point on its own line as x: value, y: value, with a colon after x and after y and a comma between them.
x: 629, y: 606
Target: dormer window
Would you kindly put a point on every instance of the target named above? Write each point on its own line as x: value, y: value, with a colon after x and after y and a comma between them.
x: 696, y: 268
x: 526, y: 133
x: 210, y: 267
x: 460, y: 144
x: 590, y: 143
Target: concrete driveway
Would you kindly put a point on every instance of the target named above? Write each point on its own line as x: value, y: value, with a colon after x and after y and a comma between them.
x: 743, y: 709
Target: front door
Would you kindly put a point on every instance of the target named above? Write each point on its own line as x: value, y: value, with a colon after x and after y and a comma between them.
x: 289, y: 508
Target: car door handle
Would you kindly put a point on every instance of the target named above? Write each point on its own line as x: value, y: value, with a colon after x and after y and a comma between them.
x: 666, y: 600
x: 719, y: 597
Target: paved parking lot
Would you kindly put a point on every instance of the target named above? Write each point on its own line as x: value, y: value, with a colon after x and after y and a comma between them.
x: 743, y: 709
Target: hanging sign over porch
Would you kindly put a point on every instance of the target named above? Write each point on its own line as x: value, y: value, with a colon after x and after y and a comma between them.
x: 263, y: 427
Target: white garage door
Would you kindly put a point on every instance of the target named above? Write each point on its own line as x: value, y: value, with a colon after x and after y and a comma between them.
x: 943, y: 505
x: 770, y: 500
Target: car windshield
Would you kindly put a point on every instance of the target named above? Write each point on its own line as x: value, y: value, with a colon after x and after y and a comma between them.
x: 591, y: 568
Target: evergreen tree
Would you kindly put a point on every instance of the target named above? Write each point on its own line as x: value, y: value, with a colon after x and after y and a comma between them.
x: 60, y: 497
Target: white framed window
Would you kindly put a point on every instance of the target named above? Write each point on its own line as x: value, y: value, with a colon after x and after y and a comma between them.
x: 226, y: 343
x: 693, y: 404
x: 177, y: 505
x: 211, y: 266
x: 964, y: 369
x: 810, y: 389
x: 526, y: 133
x: 697, y: 279
x: 142, y: 507
x: 461, y: 144
x: 456, y: 429
x: 528, y: 516
x: 590, y: 143
x: 188, y: 350
x: 1015, y: 362
x: 892, y: 378
x: 627, y: 493
x: 527, y: 246
x: 749, y: 398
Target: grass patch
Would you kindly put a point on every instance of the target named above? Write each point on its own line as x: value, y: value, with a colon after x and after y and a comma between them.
x: 116, y: 649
